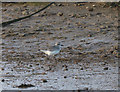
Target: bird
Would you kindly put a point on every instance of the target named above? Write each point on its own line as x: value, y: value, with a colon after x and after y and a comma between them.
x: 53, y: 50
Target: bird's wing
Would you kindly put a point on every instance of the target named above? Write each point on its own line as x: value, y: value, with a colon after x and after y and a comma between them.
x: 52, y: 48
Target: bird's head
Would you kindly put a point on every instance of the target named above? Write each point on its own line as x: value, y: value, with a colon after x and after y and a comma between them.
x: 58, y: 44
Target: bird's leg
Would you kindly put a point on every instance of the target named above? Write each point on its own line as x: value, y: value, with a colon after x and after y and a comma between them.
x: 52, y: 58
x: 55, y: 59
x: 46, y: 58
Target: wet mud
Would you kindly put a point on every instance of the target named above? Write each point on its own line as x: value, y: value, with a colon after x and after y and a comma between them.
x: 88, y: 59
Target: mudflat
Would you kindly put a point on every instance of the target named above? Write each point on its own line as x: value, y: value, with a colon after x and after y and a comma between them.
x: 87, y: 61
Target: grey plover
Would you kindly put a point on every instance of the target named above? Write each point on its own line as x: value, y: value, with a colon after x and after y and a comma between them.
x: 53, y: 50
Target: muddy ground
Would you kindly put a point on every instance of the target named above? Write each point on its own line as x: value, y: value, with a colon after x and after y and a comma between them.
x: 88, y: 60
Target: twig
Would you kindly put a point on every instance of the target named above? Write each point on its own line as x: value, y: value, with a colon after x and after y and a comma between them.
x: 15, y: 20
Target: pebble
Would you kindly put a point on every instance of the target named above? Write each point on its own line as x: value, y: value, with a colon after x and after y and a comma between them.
x: 2, y: 68
x: 4, y: 10
x: 87, y: 7
x: 25, y: 85
x: 89, y: 35
x: 69, y: 48
x: 59, y: 14
x: 106, y: 68
x: 65, y: 76
x: 5, y: 35
x: 116, y: 38
x: 80, y: 53
x: 72, y: 15
x: 60, y: 4
x: 44, y: 80
x: 30, y: 65
x: 102, y: 27
x: 104, y: 55
x: 94, y: 5
x: 2, y: 80
x: 48, y: 68
x: 65, y: 66
x: 26, y: 12
x: 43, y: 73
x: 82, y: 40
x: 116, y: 47
x: 115, y: 52
x: 90, y: 9
x: 22, y: 34
x: 111, y: 50
x: 99, y: 14
x: 85, y: 88
x: 37, y: 64
x: 81, y: 69
x: 78, y: 4
x: 65, y: 69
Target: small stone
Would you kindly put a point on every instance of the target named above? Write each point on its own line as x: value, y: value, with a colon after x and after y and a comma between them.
x: 99, y: 14
x: 43, y: 73
x: 37, y: 64
x: 72, y: 39
x: 65, y: 76
x: 102, y: 27
x: 111, y: 50
x: 4, y: 10
x: 103, y: 32
x: 87, y: 7
x: 59, y: 14
x: 76, y: 77
x: 69, y: 48
x: 5, y: 35
x: 81, y: 69
x: 80, y: 53
x: 82, y: 40
x: 25, y: 12
x: 89, y: 35
x: 72, y: 15
x: 60, y: 4
x: 80, y: 4
x: 65, y: 69
x: 87, y: 42
x: 116, y: 47
x: 116, y: 38
x: 2, y: 68
x: 90, y: 9
x: 65, y: 66
x: 22, y: 35
x: 44, y: 80
x: 2, y: 80
x: 48, y: 68
x: 104, y: 55
x: 115, y: 52
x: 106, y: 68
x: 85, y: 88
x: 30, y: 65
x: 94, y: 5
x: 42, y: 67
x: 50, y: 33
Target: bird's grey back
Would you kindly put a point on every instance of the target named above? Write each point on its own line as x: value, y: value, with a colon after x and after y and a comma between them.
x: 52, y: 48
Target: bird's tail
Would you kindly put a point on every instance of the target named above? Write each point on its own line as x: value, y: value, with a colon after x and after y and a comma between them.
x: 42, y: 51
